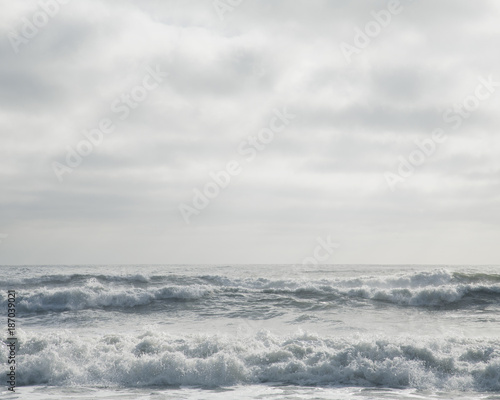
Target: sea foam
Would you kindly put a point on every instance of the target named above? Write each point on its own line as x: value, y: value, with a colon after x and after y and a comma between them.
x: 160, y: 359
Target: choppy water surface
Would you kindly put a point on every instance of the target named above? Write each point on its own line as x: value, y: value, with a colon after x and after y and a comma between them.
x: 262, y: 331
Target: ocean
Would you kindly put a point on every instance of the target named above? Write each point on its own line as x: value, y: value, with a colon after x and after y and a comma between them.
x: 253, y: 332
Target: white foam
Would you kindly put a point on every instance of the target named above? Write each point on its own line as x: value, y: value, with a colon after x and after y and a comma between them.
x: 155, y: 358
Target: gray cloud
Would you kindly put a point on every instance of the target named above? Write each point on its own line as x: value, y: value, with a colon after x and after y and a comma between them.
x: 323, y: 174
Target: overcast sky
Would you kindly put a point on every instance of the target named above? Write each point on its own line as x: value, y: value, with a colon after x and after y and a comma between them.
x: 182, y: 86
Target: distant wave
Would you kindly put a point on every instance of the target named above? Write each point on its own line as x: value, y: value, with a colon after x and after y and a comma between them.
x: 425, y: 289
x: 96, y: 295
x: 158, y: 359
x: 420, y: 297
x: 402, y: 280
x: 78, y: 278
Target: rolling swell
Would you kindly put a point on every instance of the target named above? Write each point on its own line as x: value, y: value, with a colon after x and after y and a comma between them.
x: 98, y: 296
x: 434, y: 289
x: 427, y: 297
x: 159, y: 359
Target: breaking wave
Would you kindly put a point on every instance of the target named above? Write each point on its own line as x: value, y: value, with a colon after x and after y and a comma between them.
x: 425, y: 289
x: 96, y: 295
x: 159, y: 359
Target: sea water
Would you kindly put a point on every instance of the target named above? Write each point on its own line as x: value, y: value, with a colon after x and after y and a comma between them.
x: 254, y: 332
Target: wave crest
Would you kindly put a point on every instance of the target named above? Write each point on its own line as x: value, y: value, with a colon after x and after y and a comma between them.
x: 95, y: 295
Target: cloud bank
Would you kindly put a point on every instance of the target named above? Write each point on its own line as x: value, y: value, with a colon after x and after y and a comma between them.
x: 71, y: 68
